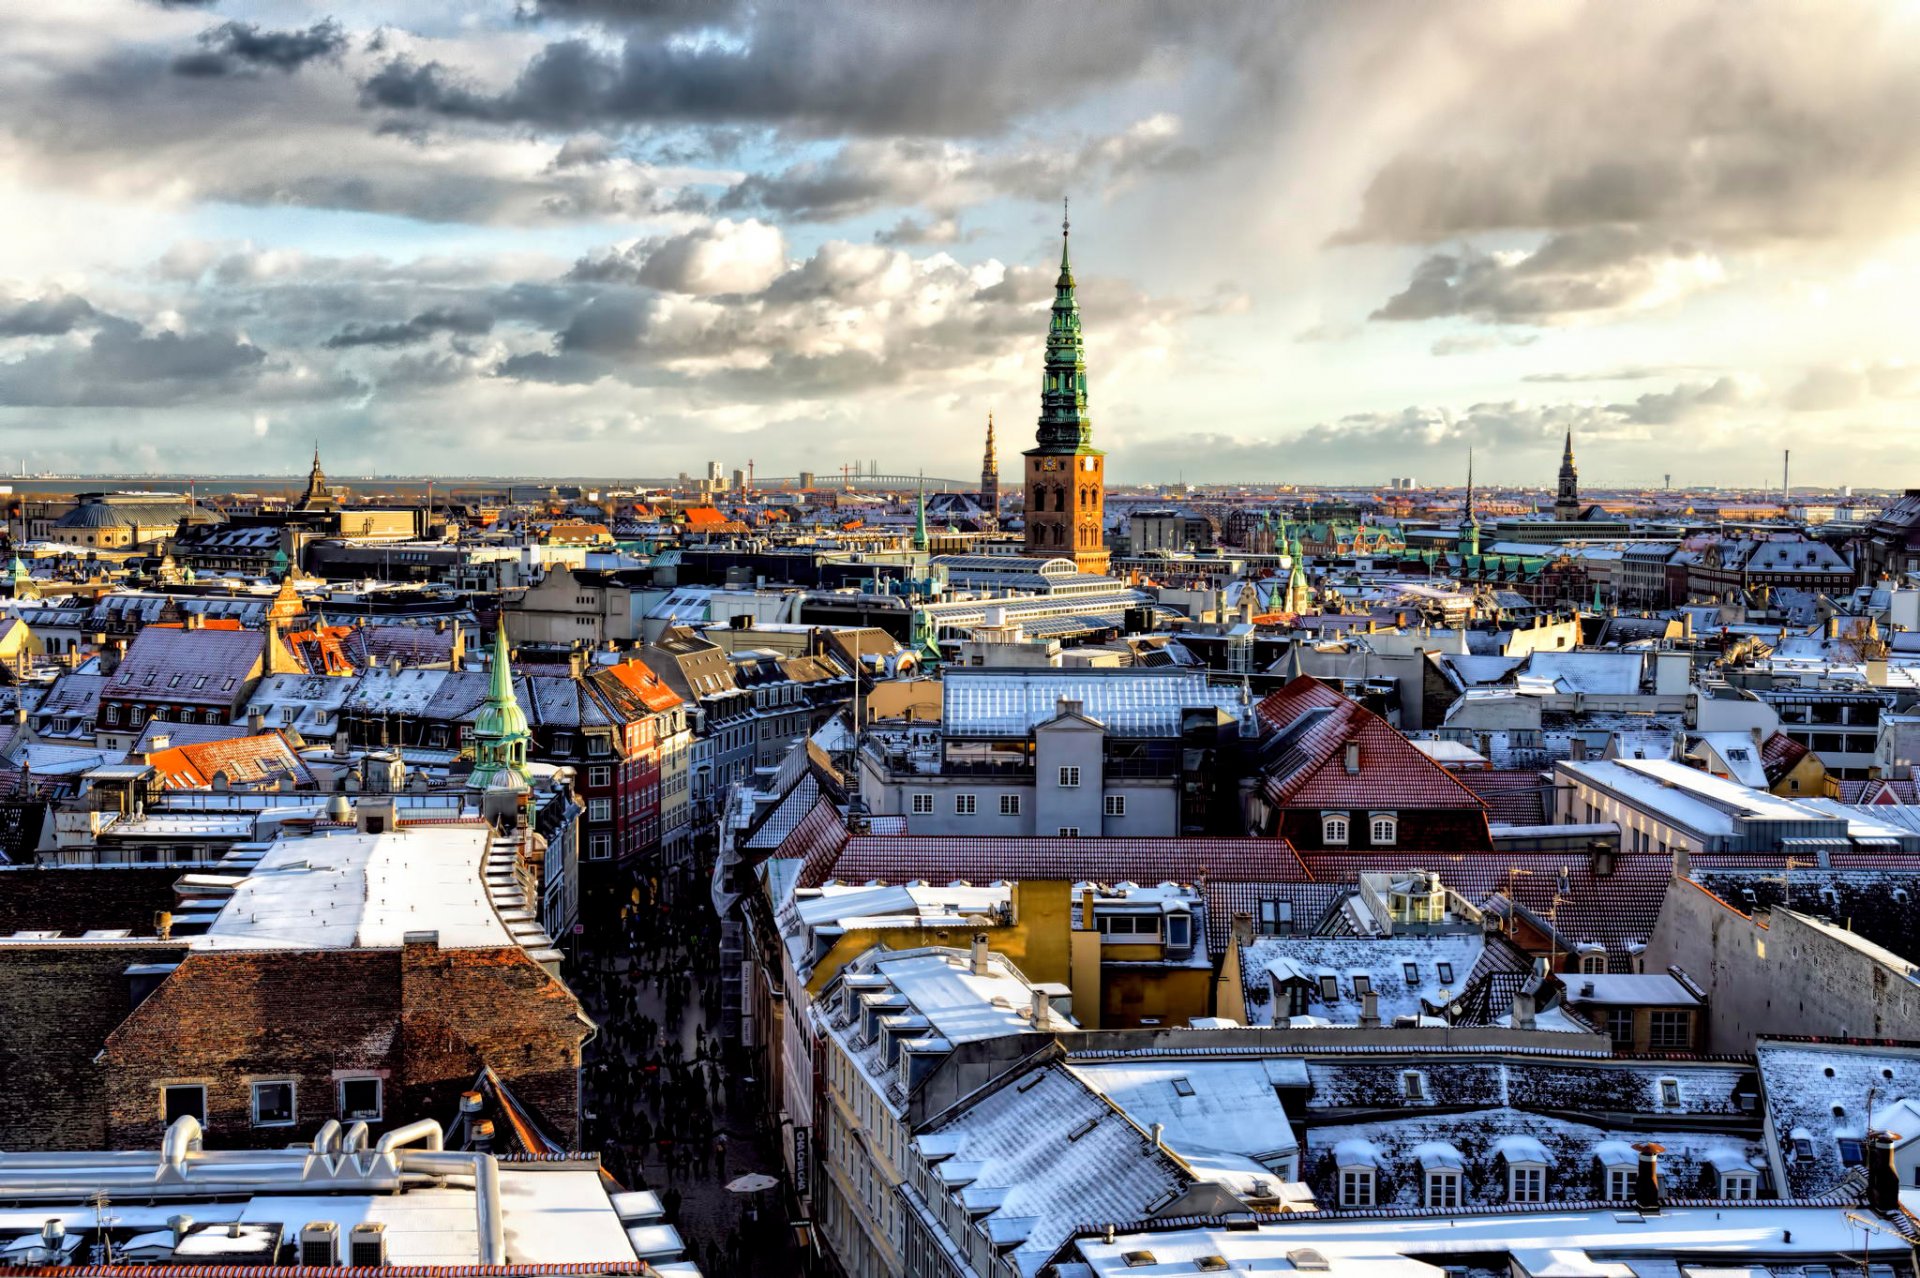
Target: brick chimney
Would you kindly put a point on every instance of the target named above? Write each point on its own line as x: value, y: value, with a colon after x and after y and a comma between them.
x: 1646, y: 1177
x: 978, y: 965
x: 1369, y: 1010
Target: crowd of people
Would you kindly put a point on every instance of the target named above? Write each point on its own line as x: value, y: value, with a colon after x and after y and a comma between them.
x: 661, y: 1082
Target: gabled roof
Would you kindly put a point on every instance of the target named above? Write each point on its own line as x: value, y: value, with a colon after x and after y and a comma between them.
x: 1779, y: 755
x: 243, y: 762
x: 1516, y: 797
x: 204, y: 666
x: 1306, y: 756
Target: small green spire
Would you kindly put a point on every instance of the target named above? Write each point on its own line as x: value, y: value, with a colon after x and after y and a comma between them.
x: 500, y: 732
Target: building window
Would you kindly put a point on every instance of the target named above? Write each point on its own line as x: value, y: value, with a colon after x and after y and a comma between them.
x: 1383, y: 830
x: 1413, y: 1085
x: 1528, y: 1184
x: 1356, y: 1187
x: 113, y: 715
x: 1670, y: 1030
x: 1116, y: 805
x: 1593, y: 964
x: 136, y: 716
x: 963, y: 805
x: 599, y: 847
x: 1329, y: 989
x: 600, y: 775
x: 1443, y: 1189
x: 1445, y: 972
x: 563, y: 743
x: 1737, y: 1186
x: 360, y: 1099
x: 1276, y: 918
x: 183, y: 1100
x: 1619, y: 1185
x: 1069, y: 778
x: 599, y: 809
x: 1362, y: 985
x: 1333, y: 829
x: 1179, y: 931
x: 1069, y: 831
x: 922, y: 804
x: 599, y: 745
x: 273, y: 1104
x: 1009, y: 805
x: 1670, y: 1093
x: 1412, y: 972
x: 1620, y: 1028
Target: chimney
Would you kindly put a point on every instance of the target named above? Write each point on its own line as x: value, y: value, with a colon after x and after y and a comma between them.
x: 181, y: 1227
x: 1577, y: 749
x: 1158, y: 1130
x: 163, y: 924
x: 978, y: 965
x: 1369, y: 1010
x: 1042, y: 1008
x: 256, y: 721
x: 1523, y: 1009
x: 1242, y: 928
x: 1646, y: 1178
x: 1087, y: 921
x: 471, y: 1102
x: 481, y: 1141
x: 159, y: 741
x: 1883, y: 1178
x: 1353, y: 758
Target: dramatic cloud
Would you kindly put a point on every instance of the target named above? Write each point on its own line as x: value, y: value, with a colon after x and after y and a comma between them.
x: 1598, y: 270
x: 872, y: 67
x: 234, y: 48
x: 1689, y: 399
x: 420, y: 328
x: 48, y: 316
x: 123, y: 365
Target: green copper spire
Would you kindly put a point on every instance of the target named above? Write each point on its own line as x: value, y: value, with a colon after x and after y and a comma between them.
x: 1473, y: 520
x: 1299, y: 598
x: 920, y: 517
x: 500, y: 729
x: 1065, y: 426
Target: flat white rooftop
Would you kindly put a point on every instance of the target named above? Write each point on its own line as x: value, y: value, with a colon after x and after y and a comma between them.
x: 353, y: 890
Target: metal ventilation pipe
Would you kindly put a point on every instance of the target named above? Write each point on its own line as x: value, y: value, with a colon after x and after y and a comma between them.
x: 183, y: 1137
x: 426, y: 1129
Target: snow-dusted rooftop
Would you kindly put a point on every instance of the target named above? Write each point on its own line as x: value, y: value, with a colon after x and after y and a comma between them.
x: 1128, y: 702
x: 354, y: 890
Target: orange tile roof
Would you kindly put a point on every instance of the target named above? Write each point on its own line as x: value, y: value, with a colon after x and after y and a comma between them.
x: 244, y: 761
x: 638, y: 678
x: 704, y: 517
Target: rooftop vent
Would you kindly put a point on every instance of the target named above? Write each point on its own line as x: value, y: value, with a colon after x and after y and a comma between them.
x: 1308, y: 1259
x: 367, y: 1245
x: 320, y: 1245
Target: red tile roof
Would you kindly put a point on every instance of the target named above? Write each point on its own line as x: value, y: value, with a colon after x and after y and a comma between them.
x: 243, y: 761
x: 638, y: 678
x: 1310, y: 770
x: 1779, y: 755
x: 1614, y: 911
x: 1512, y: 798
x: 899, y: 858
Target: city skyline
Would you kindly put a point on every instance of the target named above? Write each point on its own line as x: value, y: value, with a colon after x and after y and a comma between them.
x: 566, y: 237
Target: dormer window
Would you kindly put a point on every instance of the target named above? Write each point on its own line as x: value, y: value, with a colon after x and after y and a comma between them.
x: 1333, y: 828
x: 1737, y: 1186
x: 1593, y: 963
x: 1526, y: 1183
x: 1383, y: 829
x: 1443, y: 1189
x: 1619, y: 1184
x: 1356, y: 1187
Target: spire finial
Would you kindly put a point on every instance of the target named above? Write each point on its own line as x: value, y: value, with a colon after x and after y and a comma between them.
x: 1065, y: 224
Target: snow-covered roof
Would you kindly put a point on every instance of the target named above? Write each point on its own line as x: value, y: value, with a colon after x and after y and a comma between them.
x: 1205, y: 1105
x: 354, y: 890
x: 1128, y: 702
x: 1635, y: 989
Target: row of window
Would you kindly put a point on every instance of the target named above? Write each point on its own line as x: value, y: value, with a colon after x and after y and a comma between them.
x: 1382, y: 828
x: 921, y: 804
x: 137, y: 715
x: 1444, y: 1188
x: 1668, y: 1029
x: 275, y: 1102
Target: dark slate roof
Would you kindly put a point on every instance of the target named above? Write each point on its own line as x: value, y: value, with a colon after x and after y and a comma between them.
x: 203, y: 666
x: 1863, y: 900
x: 1807, y: 1082
x: 1512, y: 797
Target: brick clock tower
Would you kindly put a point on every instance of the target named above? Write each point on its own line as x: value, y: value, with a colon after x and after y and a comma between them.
x: 1066, y: 474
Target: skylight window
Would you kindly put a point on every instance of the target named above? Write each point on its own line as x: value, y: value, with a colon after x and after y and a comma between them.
x: 1181, y: 1087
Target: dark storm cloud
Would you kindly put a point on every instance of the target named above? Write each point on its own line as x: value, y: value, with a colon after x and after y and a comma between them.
x: 124, y: 366
x: 48, y: 316
x: 653, y: 15
x: 876, y: 67
x: 1593, y: 270
x: 420, y: 328
x: 237, y: 48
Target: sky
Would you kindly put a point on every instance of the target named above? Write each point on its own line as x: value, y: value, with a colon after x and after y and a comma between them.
x: 1315, y: 243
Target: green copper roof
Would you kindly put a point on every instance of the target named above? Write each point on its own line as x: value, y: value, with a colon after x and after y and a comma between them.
x: 1065, y: 425
x: 500, y: 732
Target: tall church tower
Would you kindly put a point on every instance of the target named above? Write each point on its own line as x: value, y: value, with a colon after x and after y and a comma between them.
x: 1066, y: 474
x: 990, y: 479
x: 1566, y: 506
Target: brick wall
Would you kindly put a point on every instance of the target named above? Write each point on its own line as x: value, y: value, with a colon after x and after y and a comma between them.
x: 75, y: 899
x: 58, y: 1004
